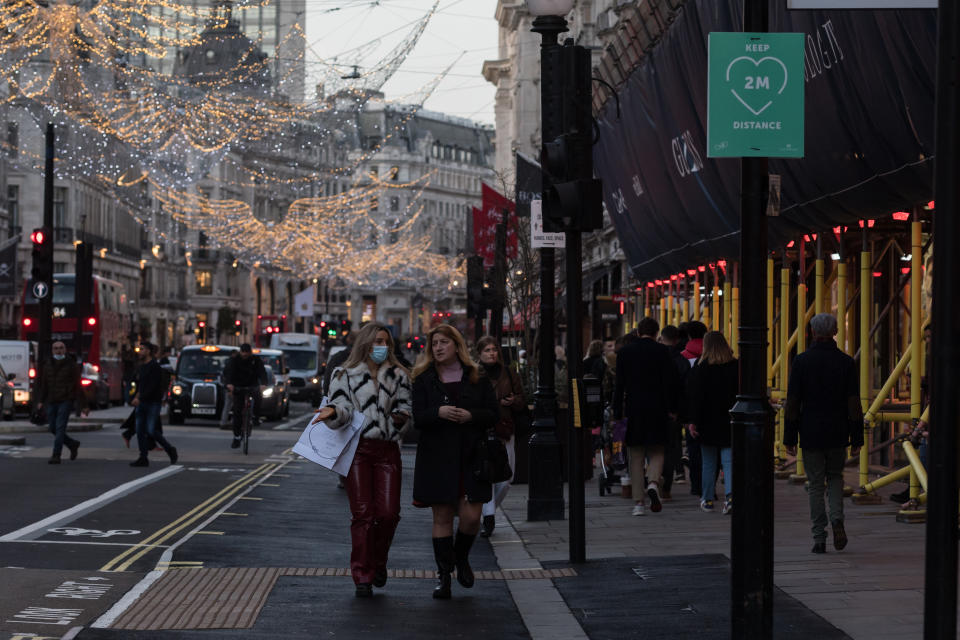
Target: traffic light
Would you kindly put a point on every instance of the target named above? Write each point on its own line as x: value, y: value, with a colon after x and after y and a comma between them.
x: 237, y: 327
x: 475, y: 287
x: 572, y: 197
x: 42, y: 271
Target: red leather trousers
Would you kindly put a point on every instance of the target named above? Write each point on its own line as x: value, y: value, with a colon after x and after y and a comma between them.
x: 373, y: 487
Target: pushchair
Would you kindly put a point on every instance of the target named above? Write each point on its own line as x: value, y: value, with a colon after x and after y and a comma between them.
x: 609, y: 453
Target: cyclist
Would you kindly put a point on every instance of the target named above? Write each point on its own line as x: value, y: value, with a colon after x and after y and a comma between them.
x: 244, y: 375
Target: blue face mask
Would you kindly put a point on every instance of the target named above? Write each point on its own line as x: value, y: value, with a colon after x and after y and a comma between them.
x: 59, y: 356
x: 379, y: 353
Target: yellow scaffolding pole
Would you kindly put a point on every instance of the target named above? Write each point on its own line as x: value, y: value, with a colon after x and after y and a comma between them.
x: 870, y: 416
x: 770, y: 345
x: 663, y: 308
x: 800, y: 475
x: 725, y: 327
x: 842, y: 305
x: 866, y: 352
x: 715, y: 322
x: 916, y: 349
x: 696, y: 296
x: 818, y: 285
x: 784, y: 350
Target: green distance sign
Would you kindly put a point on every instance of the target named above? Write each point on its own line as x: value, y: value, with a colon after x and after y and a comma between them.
x: 755, y: 95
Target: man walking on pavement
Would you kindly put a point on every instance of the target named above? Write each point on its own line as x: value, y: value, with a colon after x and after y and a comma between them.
x: 823, y: 408
x: 646, y: 391
x: 60, y: 391
x: 244, y: 374
x: 147, y: 401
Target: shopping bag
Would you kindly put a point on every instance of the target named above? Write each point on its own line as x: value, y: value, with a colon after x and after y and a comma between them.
x: 619, y: 437
x: 331, y: 448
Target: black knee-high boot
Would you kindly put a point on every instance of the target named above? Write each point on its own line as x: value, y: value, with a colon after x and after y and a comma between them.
x: 444, y: 554
x: 462, y: 549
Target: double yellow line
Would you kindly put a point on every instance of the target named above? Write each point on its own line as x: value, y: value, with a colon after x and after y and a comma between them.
x: 137, y: 551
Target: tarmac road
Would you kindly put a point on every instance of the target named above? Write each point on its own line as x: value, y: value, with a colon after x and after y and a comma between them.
x: 75, y: 537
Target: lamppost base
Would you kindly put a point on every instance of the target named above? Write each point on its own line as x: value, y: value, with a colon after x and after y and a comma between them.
x: 545, y: 489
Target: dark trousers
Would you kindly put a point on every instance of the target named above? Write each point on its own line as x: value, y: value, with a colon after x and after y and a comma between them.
x: 148, y: 418
x: 373, y: 487
x: 239, y: 399
x: 672, y: 454
x: 57, y: 415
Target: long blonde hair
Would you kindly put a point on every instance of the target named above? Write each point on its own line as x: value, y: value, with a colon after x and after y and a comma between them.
x: 426, y: 361
x: 363, y: 344
x: 715, y: 349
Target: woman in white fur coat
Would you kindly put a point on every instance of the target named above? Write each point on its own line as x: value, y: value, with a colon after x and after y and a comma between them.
x: 375, y: 384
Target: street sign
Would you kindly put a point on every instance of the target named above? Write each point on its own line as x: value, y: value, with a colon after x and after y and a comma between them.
x: 862, y: 4
x: 540, y: 239
x: 40, y: 290
x: 755, y: 95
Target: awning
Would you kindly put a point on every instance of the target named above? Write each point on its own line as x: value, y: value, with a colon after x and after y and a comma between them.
x: 870, y: 78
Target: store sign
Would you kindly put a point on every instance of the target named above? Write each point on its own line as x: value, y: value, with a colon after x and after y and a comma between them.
x: 755, y: 92
x: 861, y: 4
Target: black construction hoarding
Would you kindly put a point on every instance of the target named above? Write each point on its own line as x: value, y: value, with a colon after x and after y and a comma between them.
x: 869, y: 142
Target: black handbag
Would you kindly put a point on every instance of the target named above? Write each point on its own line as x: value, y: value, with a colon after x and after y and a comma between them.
x: 490, y: 462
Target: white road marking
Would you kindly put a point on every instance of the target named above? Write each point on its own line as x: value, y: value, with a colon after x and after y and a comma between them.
x: 37, y: 529
x: 293, y: 423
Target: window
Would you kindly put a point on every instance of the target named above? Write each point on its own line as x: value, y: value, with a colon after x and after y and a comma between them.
x: 204, y: 283
x: 59, y: 207
x: 13, y: 139
x: 13, y: 204
x: 394, y: 203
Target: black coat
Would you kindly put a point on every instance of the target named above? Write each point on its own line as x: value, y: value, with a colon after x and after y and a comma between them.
x: 823, y: 399
x: 647, y: 389
x: 712, y: 392
x: 445, y: 451
x: 150, y: 382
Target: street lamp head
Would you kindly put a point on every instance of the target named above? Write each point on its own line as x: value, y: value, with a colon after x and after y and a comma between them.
x: 549, y: 7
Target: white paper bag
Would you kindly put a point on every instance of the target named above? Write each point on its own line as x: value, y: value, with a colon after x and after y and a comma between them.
x: 330, y: 448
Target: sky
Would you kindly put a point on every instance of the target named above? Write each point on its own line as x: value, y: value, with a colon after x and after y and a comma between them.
x: 461, y: 30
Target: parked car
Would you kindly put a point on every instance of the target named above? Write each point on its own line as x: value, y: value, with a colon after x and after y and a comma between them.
x: 277, y: 361
x: 274, y: 403
x: 197, y: 389
x: 95, y: 387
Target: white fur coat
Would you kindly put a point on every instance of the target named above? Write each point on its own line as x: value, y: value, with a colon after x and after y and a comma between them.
x: 355, y: 389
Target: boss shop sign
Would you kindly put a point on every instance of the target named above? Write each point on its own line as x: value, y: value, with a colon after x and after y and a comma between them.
x: 755, y: 95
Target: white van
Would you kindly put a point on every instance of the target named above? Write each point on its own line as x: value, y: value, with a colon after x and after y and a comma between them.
x: 302, y: 354
x: 19, y: 357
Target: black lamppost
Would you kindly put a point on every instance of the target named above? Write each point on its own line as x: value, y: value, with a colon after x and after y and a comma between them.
x: 545, y: 497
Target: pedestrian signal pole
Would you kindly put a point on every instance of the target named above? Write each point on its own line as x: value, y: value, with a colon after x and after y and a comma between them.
x: 42, y: 286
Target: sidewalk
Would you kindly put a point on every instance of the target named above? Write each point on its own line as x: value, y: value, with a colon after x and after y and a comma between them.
x: 666, y: 575
x: 661, y: 576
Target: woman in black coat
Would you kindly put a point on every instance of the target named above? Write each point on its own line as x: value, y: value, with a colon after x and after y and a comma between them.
x: 713, y: 392
x: 453, y: 406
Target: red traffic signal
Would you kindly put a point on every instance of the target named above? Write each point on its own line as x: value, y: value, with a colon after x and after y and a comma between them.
x: 236, y: 323
x: 201, y: 324
x: 38, y: 236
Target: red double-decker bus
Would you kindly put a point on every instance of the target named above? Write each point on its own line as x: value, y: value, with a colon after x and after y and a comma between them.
x: 105, y: 329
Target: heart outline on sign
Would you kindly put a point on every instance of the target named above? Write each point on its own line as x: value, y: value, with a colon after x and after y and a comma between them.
x: 756, y: 63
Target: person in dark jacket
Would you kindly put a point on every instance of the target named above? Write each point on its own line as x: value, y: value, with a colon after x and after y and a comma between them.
x: 453, y: 406
x: 823, y: 409
x: 672, y: 465
x: 647, y: 393
x: 244, y: 375
x: 594, y: 364
x: 337, y: 360
x: 59, y: 390
x: 713, y: 392
x: 512, y: 405
x: 149, y: 397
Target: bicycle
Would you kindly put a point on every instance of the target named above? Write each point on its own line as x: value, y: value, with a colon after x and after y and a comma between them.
x: 246, y: 417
